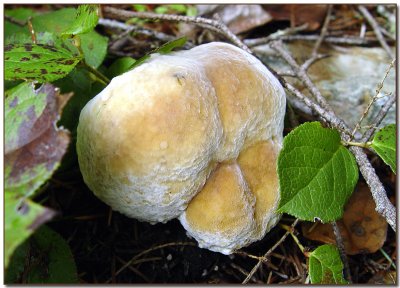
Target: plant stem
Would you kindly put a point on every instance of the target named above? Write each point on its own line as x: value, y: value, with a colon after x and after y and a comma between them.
x: 99, y: 76
x: 301, y: 247
x: 358, y: 144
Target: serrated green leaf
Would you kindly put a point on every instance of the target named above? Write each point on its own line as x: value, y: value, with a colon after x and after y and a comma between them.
x: 325, y: 266
x: 163, y: 49
x: 86, y: 19
x: 39, y: 62
x: 21, y: 14
x: 94, y: 47
x: 22, y: 217
x: 384, y: 143
x: 55, y: 21
x: 120, y: 66
x: 50, y: 260
x: 316, y: 173
x: 33, y: 144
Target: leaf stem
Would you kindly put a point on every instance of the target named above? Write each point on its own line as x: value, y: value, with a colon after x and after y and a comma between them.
x: 358, y: 144
x: 99, y: 76
x: 296, y: 240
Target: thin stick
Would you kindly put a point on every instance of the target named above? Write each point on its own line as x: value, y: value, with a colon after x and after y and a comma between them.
x: 324, y: 30
x: 346, y: 40
x: 378, y: 90
x: 372, y: 22
x: 127, y: 264
x: 213, y: 25
x: 378, y: 119
x: 113, y: 24
x: 255, y: 268
x: 275, y: 36
x: 342, y: 252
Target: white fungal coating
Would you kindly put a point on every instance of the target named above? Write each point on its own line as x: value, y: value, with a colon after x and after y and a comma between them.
x: 194, y: 134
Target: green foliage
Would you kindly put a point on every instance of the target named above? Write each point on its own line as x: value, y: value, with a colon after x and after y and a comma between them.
x: 50, y: 260
x: 39, y: 62
x: 51, y: 29
x: 316, y: 173
x: 86, y: 19
x: 188, y: 10
x: 325, y: 266
x: 22, y: 218
x: 94, y: 47
x: 120, y: 66
x: 163, y: 49
x: 384, y: 144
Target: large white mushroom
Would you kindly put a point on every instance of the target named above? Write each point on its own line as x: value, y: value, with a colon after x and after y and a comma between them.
x: 194, y: 134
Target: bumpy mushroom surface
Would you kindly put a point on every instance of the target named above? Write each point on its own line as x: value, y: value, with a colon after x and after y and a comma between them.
x: 194, y: 134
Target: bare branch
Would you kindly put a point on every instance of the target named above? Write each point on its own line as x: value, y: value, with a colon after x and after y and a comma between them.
x: 130, y: 28
x: 210, y: 24
x: 383, y: 205
x: 378, y: 119
x: 342, y: 252
x: 346, y: 40
x: 266, y: 255
x: 378, y: 90
x: 364, y: 11
x: 324, y: 30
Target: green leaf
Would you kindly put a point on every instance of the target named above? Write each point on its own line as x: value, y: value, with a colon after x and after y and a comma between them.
x: 39, y: 62
x: 55, y: 21
x: 94, y: 47
x: 163, y: 49
x: 50, y: 260
x: 120, y: 66
x: 170, y: 45
x: 384, y: 143
x: 316, y: 173
x: 33, y: 145
x: 22, y: 218
x: 21, y: 14
x: 86, y: 19
x: 325, y: 266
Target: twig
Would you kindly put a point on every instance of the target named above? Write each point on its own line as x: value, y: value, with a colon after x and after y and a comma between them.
x: 213, y: 25
x: 15, y: 21
x: 378, y: 119
x: 127, y: 264
x: 113, y: 24
x: 383, y: 205
x: 324, y: 30
x: 255, y: 268
x: 302, y: 75
x: 342, y: 252
x: 312, y: 60
x: 378, y: 90
x: 347, y: 40
x: 372, y: 22
x: 274, y: 36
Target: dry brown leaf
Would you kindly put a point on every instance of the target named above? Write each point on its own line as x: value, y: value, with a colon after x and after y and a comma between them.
x: 299, y: 14
x: 363, y: 229
x: 238, y: 18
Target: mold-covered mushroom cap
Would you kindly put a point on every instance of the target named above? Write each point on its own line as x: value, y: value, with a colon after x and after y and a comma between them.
x: 181, y: 129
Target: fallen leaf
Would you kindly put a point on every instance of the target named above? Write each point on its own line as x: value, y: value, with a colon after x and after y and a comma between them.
x: 34, y: 145
x: 363, y: 229
x: 299, y: 14
x: 238, y: 18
